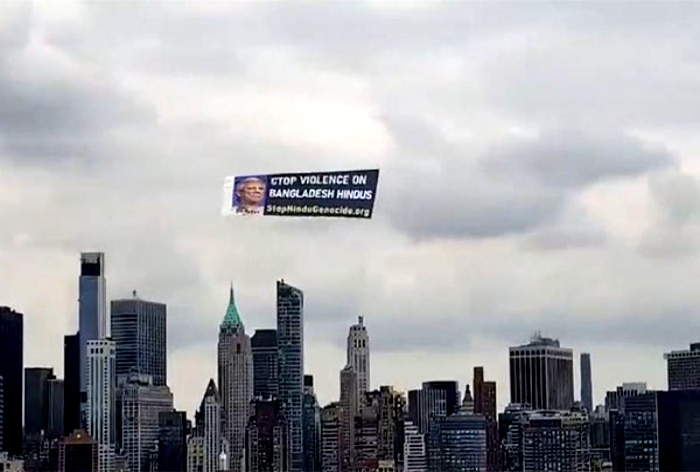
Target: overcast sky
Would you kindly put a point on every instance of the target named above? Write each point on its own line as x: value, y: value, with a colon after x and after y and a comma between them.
x: 539, y: 171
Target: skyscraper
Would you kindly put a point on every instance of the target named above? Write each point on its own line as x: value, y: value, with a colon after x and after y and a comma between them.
x: 55, y: 393
x: 172, y: 441
x: 36, y: 399
x: 78, y: 452
x: 100, y: 387
x: 436, y: 399
x: 92, y: 312
x: 358, y: 355
x: 312, y: 427
x: 71, y: 389
x: 266, y: 439
x: 11, y: 365
x: 141, y: 402
x: 349, y: 409
x: 235, y: 362
x: 2, y: 412
x: 683, y: 368
x: 330, y: 437
x: 264, y: 344
x: 586, y: 382
x: 290, y: 348
x: 139, y: 327
x: 207, y: 442
x: 542, y: 374
x: 485, y: 405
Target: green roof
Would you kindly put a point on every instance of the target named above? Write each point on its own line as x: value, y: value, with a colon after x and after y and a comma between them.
x: 232, y: 319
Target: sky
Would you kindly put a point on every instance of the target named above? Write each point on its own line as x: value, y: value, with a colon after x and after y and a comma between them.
x: 539, y: 171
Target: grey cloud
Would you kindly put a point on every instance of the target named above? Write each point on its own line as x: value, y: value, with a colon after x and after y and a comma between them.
x: 512, y: 188
x: 571, y: 158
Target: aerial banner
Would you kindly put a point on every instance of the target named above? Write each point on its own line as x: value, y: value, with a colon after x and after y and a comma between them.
x: 344, y: 194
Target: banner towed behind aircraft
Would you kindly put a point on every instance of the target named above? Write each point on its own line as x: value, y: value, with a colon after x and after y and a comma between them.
x: 345, y: 194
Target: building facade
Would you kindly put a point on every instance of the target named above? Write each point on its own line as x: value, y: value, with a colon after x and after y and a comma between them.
x: 139, y: 327
x: 290, y: 348
x: 207, y: 444
x: 101, y: 388
x: 542, y: 374
x: 586, y: 382
x: 141, y: 404
x: 71, y: 390
x: 78, y: 452
x: 436, y: 399
x: 457, y: 443
x: 485, y: 403
x: 264, y: 347
x: 11, y: 370
x: 330, y: 437
x: 683, y: 368
x: 235, y: 364
x: 311, y: 427
x: 92, y: 313
x: 358, y: 356
x: 414, y: 449
x: 266, y: 439
x: 173, y: 430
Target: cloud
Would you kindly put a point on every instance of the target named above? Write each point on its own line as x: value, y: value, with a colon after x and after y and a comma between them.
x: 512, y: 171
x: 513, y: 187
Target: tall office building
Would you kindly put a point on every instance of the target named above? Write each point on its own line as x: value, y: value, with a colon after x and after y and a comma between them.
x: 266, y: 439
x: 485, y: 405
x: 542, y: 374
x: 390, y: 425
x: 92, y: 314
x: 330, y: 437
x: 683, y: 368
x: 349, y: 409
x: 71, y: 388
x: 290, y: 348
x: 139, y: 327
x: 141, y: 404
x: 414, y: 449
x: 264, y: 346
x: 555, y: 440
x: 55, y: 393
x: 11, y: 368
x: 457, y: 442
x: 358, y: 355
x: 311, y: 427
x: 173, y: 430
x: 436, y: 399
x: 78, y: 452
x: 36, y: 399
x: 586, y: 382
x: 207, y: 443
x: 2, y: 412
x: 235, y: 362
x: 100, y: 388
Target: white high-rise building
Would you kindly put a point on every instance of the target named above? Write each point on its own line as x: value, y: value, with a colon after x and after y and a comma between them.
x: 358, y: 355
x: 414, y: 449
x: 141, y: 402
x: 235, y: 362
x: 100, y: 387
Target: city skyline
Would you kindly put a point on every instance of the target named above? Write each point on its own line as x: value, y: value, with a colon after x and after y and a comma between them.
x: 503, y: 395
x: 538, y: 173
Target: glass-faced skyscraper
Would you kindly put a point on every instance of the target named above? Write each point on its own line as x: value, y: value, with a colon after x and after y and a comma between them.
x: 139, y: 328
x: 264, y: 343
x: 542, y: 374
x: 92, y: 306
x: 11, y: 370
x: 100, y: 388
x: 290, y: 347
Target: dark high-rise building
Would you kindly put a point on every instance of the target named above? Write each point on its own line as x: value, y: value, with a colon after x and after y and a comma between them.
x: 641, y: 442
x: 264, y: 345
x: 172, y: 441
x: 55, y: 392
x: 71, y: 389
x: 586, y: 382
x: 457, y: 443
x: 312, y: 427
x: 485, y: 405
x: 77, y: 453
x: 290, y: 348
x: 139, y: 328
x: 683, y: 368
x: 11, y: 369
x: 436, y: 399
x: 614, y: 399
x: 2, y: 412
x: 542, y: 374
x: 36, y: 399
x: 266, y: 441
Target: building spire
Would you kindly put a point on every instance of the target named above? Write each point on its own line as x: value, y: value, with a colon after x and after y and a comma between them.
x: 232, y: 319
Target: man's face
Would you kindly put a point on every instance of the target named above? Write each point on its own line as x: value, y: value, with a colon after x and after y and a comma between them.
x: 252, y: 192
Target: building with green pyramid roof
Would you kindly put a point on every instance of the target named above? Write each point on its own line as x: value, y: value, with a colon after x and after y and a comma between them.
x: 232, y: 319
